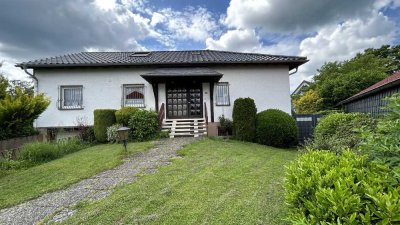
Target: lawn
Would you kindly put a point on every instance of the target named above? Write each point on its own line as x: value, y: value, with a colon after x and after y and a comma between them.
x: 216, y: 182
x: 23, y: 185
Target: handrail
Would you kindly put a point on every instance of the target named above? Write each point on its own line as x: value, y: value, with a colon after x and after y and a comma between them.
x: 206, y: 116
x: 161, y: 115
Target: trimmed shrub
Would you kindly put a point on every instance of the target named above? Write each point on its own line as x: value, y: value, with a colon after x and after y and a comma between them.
x: 103, y: 118
x: 323, y: 187
x: 276, y: 128
x: 339, y: 131
x: 123, y: 115
x: 112, y: 133
x: 144, y: 125
x: 244, y: 119
x: 39, y: 152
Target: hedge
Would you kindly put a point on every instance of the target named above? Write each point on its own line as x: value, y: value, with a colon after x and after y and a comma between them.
x: 103, y: 118
x: 323, y: 187
x: 244, y: 119
x: 144, y: 125
x: 339, y: 131
x: 276, y: 128
x: 123, y: 115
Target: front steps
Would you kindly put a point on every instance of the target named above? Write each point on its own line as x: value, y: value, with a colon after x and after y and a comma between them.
x: 195, y: 127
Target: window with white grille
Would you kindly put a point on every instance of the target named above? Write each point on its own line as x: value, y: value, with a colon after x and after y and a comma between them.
x: 71, y: 97
x: 133, y: 95
x: 222, y: 94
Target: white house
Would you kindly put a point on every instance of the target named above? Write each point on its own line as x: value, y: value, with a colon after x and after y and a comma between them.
x: 188, y: 89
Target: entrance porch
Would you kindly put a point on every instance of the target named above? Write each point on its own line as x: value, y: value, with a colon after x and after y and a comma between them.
x: 184, y: 99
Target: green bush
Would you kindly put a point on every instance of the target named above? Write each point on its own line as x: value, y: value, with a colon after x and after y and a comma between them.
x: 18, y: 111
x: 276, y: 128
x: 103, y: 118
x: 144, y: 125
x: 339, y: 131
x: 112, y: 133
x: 244, y: 119
x: 323, y: 187
x: 124, y: 114
x: 39, y: 152
x: 383, y: 144
x: 225, y: 125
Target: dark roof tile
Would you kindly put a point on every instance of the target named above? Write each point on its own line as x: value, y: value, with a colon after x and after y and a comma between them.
x: 162, y: 58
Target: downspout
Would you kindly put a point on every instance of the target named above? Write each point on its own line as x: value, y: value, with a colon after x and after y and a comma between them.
x: 294, y: 71
x: 33, y: 77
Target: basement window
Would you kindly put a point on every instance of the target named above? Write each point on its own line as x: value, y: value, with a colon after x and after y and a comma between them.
x: 71, y: 97
x: 133, y: 95
x: 223, y: 94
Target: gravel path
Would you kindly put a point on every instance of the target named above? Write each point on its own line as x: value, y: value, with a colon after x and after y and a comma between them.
x: 58, y: 206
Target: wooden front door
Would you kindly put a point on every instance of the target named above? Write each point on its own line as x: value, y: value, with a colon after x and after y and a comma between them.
x: 184, y: 101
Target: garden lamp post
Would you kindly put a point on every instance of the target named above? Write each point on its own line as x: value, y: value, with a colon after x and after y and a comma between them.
x: 123, y: 134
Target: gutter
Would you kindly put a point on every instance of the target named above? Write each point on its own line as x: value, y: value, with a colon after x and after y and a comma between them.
x: 32, y: 76
x: 295, y: 71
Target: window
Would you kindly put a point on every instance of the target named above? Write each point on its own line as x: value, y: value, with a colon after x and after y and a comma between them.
x: 133, y: 95
x: 223, y: 94
x: 71, y: 97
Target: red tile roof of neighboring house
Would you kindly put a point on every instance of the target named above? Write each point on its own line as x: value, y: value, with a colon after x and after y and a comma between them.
x: 395, y: 77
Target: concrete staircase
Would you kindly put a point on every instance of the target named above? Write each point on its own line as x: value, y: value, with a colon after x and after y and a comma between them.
x: 195, y: 127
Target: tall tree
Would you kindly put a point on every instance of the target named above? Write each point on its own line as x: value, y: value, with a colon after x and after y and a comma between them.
x: 337, y: 81
x: 392, y: 53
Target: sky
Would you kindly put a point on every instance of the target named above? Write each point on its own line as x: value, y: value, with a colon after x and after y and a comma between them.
x: 321, y: 30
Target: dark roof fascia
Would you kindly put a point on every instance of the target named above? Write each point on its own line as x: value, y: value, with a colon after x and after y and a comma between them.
x: 378, y: 89
x: 292, y: 64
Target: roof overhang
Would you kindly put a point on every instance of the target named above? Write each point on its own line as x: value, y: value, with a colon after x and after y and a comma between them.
x: 184, y: 73
x: 381, y: 88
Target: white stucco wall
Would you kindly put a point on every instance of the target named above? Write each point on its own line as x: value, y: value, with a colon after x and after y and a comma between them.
x: 267, y: 85
x: 102, y: 89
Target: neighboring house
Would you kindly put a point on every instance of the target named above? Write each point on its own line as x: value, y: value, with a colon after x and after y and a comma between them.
x: 299, y: 91
x: 301, y: 88
x: 370, y: 100
x: 190, y: 87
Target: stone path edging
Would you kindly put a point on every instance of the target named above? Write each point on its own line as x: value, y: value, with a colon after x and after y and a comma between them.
x: 58, y: 205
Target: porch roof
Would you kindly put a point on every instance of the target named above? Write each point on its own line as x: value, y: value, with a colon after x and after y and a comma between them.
x: 200, y: 73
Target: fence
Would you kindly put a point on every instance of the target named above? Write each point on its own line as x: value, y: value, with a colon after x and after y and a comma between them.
x: 12, y: 146
x: 305, y: 125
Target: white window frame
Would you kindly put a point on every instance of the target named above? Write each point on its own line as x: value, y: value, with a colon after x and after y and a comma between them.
x: 61, y: 98
x: 219, y: 101
x: 124, y: 103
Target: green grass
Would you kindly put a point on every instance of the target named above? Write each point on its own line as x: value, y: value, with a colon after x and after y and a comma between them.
x: 216, y: 182
x: 22, y: 185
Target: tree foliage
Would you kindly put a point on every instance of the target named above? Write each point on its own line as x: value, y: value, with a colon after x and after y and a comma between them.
x: 310, y: 102
x: 3, y: 86
x: 337, y: 81
x: 391, y: 53
x: 18, y: 112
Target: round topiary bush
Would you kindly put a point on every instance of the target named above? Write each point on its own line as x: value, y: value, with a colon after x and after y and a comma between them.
x: 276, y: 128
x: 124, y: 114
x: 144, y: 125
x: 103, y: 118
x: 338, y: 131
x: 244, y: 119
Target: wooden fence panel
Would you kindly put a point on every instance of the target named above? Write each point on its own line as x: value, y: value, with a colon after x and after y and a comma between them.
x: 305, y: 125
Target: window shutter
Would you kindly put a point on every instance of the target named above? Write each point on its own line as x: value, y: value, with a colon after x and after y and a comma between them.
x: 59, y: 97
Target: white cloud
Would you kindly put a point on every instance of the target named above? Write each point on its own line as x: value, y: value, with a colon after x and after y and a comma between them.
x: 190, y: 24
x: 235, y: 40
x: 343, y: 41
x: 293, y: 16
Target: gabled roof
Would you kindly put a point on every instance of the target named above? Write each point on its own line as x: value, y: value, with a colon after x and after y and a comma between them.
x: 301, y: 85
x: 198, y: 57
x: 389, y: 81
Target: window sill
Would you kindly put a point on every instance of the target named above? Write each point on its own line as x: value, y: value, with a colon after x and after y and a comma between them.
x: 223, y: 105
x: 68, y: 109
